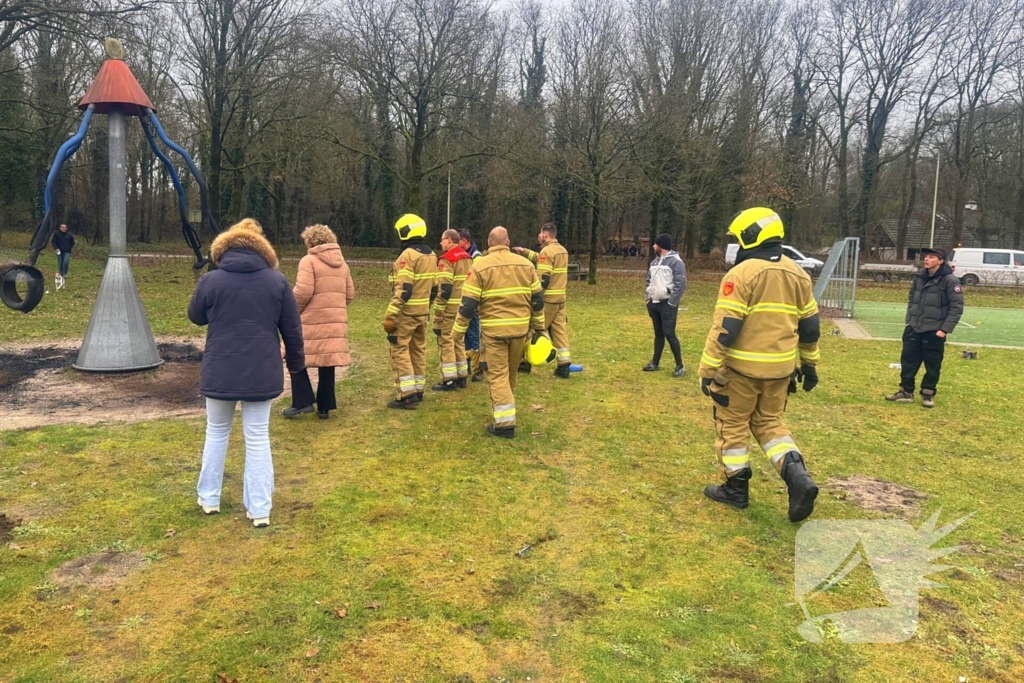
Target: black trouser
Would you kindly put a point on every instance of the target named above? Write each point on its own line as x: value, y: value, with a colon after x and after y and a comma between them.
x: 921, y: 347
x: 663, y: 315
x: 302, y: 390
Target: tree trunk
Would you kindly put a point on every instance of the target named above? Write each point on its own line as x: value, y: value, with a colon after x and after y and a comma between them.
x: 595, y: 221
x: 655, y: 218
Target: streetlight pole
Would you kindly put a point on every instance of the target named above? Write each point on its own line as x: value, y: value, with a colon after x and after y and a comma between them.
x: 935, y: 197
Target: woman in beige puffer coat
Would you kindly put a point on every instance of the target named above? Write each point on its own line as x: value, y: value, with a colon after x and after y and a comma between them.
x: 323, y: 290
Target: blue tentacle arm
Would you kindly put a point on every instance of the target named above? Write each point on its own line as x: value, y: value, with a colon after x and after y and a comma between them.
x: 203, y: 196
x: 186, y: 228
x: 66, y: 151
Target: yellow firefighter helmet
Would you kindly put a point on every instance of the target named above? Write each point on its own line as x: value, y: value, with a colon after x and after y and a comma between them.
x: 410, y: 225
x: 540, y: 350
x: 753, y: 226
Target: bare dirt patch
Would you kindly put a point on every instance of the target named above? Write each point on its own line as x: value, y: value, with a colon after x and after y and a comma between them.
x: 42, y: 389
x: 878, y: 495
x: 7, y: 525
x: 99, y: 570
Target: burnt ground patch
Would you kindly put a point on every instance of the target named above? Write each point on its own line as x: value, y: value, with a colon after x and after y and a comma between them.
x: 41, y: 388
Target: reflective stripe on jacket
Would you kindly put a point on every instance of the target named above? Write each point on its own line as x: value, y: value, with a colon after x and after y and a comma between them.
x: 413, y: 275
x: 552, y: 261
x: 766, y: 320
x: 505, y: 290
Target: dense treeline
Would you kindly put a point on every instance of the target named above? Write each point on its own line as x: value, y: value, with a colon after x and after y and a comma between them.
x: 614, y: 118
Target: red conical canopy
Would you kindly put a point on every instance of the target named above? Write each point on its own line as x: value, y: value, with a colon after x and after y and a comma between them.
x: 115, y: 85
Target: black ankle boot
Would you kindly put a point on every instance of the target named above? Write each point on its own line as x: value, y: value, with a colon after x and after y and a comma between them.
x: 461, y: 382
x: 562, y: 371
x: 293, y: 411
x: 445, y: 386
x: 802, y: 489
x: 503, y: 432
x: 419, y: 397
x: 405, y: 403
x: 525, y: 368
x: 735, y: 490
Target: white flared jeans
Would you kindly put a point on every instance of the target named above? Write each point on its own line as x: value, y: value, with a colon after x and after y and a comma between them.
x: 258, y: 479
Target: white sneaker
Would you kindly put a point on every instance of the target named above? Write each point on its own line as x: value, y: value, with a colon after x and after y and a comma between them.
x: 209, y: 510
x: 259, y: 522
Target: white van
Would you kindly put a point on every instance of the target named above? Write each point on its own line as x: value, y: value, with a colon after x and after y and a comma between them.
x: 812, y: 265
x: 1003, y: 267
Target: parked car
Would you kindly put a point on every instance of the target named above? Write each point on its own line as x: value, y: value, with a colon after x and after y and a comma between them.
x: 1003, y: 267
x: 811, y: 265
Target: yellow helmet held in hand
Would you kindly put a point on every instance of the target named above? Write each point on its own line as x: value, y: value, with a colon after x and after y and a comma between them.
x: 754, y: 226
x: 540, y: 350
x: 410, y: 225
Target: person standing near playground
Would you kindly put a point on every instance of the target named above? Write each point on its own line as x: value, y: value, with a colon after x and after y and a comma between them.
x: 505, y: 289
x: 666, y: 282
x: 248, y: 308
x: 414, y: 277
x: 934, y: 307
x: 452, y: 269
x: 765, y: 320
x: 323, y: 290
x: 473, y: 333
x: 552, y: 262
x: 63, y: 242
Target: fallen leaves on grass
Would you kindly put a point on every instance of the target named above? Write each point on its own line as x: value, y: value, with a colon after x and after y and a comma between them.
x: 373, y: 605
x: 313, y: 652
x: 341, y: 612
x: 223, y: 678
x: 170, y: 533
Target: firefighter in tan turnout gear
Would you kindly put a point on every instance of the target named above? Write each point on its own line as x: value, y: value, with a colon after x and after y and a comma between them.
x: 413, y: 276
x: 553, y: 267
x: 452, y: 269
x: 505, y: 289
x: 766, y: 320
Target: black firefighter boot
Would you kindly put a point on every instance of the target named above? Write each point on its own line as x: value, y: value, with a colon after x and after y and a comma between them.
x: 562, y: 371
x: 405, y: 403
x: 733, y: 492
x: 802, y: 489
x: 461, y: 382
x: 447, y: 385
x: 525, y: 367
x: 503, y: 432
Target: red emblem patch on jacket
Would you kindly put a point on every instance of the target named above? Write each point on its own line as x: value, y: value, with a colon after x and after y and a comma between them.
x: 401, y: 264
x: 728, y: 288
x: 543, y: 258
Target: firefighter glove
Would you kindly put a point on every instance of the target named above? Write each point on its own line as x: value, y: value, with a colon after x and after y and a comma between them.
x: 390, y: 325
x: 537, y: 334
x: 437, y: 331
x: 705, y: 385
x: 810, y: 375
x: 794, y: 381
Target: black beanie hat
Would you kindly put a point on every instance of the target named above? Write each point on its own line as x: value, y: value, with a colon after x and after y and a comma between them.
x: 664, y: 240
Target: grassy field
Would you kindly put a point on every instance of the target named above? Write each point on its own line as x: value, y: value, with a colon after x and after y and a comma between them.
x: 998, y: 326
x: 392, y: 554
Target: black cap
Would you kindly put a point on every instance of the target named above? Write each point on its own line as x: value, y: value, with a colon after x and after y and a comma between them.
x: 664, y: 240
x: 941, y: 253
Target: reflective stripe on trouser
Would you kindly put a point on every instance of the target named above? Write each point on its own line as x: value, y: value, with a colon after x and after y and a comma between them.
x: 755, y: 406
x: 503, y: 356
x: 555, y: 324
x: 409, y: 354
x: 453, y: 355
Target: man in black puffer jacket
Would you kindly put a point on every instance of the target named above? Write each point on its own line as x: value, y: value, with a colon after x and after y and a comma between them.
x: 934, y: 307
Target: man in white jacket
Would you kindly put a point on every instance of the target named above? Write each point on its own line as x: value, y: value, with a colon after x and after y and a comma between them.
x: 666, y: 282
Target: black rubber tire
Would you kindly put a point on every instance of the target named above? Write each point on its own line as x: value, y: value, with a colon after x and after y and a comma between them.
x: 969, y: 279
x: 9, y: 288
